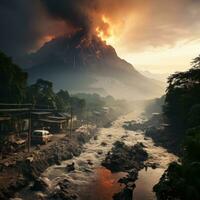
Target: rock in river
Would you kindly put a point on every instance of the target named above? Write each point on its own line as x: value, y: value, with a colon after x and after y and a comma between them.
x: 70, y: 167
x: 124, y: 158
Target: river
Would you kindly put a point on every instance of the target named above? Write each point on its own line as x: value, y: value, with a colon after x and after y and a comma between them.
x: 94, y: 182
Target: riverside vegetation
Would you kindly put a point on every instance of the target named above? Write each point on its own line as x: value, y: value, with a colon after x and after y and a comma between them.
x: 177, y: 128
x: 182, y: 108
x: 14, y: 89
x: 89, y: 108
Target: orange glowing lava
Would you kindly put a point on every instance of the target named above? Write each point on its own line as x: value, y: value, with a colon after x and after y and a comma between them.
x: 48, y: 38
x: 105, y: 30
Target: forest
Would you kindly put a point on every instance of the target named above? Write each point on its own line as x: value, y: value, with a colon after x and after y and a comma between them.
x: 182, y: 108
x: 14, y: 88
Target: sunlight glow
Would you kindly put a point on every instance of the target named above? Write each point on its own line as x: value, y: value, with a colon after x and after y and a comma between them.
x: 163, y: 60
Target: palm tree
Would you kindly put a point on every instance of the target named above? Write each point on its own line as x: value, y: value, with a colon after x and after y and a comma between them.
x: 196, y: 62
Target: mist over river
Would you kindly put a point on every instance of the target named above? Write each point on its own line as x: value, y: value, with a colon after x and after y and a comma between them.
x: 91, y: 181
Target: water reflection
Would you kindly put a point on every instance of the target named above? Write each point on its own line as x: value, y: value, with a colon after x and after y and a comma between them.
x: 144, y: 185
x: 103, y: 187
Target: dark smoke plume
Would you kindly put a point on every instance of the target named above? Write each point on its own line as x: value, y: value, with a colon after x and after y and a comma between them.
x: 76, y: 13
x: 16, y: 23
x: 25, y: 25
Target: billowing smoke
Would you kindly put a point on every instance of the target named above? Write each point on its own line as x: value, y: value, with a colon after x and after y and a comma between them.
x: 87, y: 15
x: 136, y: 24
x: 25, y: 26
x: 17, y: 32
x: 76, y: 13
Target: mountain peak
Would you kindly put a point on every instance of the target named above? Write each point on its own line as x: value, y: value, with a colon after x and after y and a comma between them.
x: 78, y: 62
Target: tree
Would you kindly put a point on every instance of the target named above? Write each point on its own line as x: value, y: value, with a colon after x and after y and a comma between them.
x: 196, y: 62
x: 13, y: 81
x: 192, y: 145
x: 182, y: 106
x: 183, y: 92
x: 63, y: 100
x: 41, y: 94
x: 193, y: 118
x: 78, y: 105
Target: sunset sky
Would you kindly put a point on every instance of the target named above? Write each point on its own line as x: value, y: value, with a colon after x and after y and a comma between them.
x: 163, y: 59
x: 155, y: 35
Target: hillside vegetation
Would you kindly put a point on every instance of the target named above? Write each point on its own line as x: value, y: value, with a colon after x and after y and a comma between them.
x: 182, y: 107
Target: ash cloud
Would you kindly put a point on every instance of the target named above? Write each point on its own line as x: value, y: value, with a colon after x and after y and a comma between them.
x: 23, y: 26
x: 162, y: 24
x: 137, y: 24
x: 76, y: 13
x: 16, y: 32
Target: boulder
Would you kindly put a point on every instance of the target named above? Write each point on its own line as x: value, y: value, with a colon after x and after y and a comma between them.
x: 89, y: 162
x: 124, y: 158
x: 40, y: 185
x: 70, y: 167
x: 103, y: 144
x: 95, y: 137
x: 125, y: 194
x: 100, y: 152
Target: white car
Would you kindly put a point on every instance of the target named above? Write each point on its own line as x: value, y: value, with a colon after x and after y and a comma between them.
x: 41, y: 136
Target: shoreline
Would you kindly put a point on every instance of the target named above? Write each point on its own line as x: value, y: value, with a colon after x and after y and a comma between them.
x: 91, y: 155
x: 160, y: 132
x: 18, y: 174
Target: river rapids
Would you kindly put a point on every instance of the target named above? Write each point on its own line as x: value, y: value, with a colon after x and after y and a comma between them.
x: 91, y: 181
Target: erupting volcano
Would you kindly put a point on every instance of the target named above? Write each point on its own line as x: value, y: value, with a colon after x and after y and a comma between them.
x: 99, y: 99
x: 105, y: 33
x: 81, y: 58
x: 85, y: 63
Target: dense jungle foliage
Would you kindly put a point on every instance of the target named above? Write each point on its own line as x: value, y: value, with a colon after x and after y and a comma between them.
x: 182, y: 107
x: 15, y: 89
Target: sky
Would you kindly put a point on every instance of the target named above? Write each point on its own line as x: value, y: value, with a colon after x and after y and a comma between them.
x: 164, y: 60
x: 155, y: 35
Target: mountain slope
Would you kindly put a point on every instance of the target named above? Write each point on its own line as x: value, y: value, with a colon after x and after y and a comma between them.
x: 83, y: 64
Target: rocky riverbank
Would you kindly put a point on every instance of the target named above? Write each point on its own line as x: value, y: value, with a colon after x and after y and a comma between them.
x: 130, y: 159
x: 132, y: 155
x: 84, y: 178
x: 158, y: 130
x: 27, y: 168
